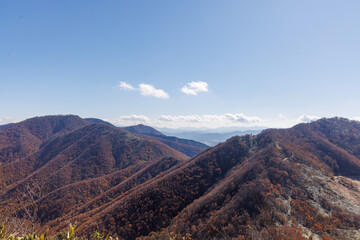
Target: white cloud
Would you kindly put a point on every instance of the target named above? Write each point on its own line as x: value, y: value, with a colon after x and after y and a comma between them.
x: 213, y: 121
x: 308, y: 118
x: 167, y: 118
x: 149, y: 90
x: 141, y: 118
x: 190, y: 121
x: 125, y: 86
x: 193, y: 88
x: 190, y: 118
x: 129, y: 120
x: 282, y: 121
x: 7, y: 120
x: 242, y: 118
x: 145, y: 90
x: 210, y: 121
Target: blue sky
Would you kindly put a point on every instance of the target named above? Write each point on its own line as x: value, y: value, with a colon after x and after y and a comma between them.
x: 265, y: 63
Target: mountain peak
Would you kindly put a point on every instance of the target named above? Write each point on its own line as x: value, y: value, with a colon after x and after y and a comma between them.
x: 143, y: 129
x: 44, y: 127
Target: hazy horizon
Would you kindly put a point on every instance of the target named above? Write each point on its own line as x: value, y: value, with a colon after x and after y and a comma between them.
x: 184, y: 129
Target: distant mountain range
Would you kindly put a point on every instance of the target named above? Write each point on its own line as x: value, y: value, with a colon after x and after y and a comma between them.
x: 202, y: 139
x: 211, y: 138
x: 296, y: 183
x: 189, y: 147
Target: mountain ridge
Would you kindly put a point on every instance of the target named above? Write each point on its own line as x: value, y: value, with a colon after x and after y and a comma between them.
x: 278, y: 165
x: 291, y: 183
x: 67, y: 157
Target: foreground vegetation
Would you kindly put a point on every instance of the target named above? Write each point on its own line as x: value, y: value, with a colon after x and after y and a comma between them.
x: 70, y: 234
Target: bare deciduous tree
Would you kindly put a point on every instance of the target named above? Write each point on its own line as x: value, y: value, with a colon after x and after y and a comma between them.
x: 29, y: 207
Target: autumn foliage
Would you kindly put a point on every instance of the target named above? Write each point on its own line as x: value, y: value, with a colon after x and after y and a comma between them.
x: 293, y: 183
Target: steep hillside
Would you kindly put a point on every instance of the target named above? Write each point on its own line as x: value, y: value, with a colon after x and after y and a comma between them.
x: 297, y: 183
x: 189, y: 147
x: 293, y: 183
x: 68, y: 168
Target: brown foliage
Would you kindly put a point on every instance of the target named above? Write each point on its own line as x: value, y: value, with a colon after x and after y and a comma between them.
x: 267, y: 186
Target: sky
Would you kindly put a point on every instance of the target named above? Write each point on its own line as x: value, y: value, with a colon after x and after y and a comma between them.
x: 199, y: 64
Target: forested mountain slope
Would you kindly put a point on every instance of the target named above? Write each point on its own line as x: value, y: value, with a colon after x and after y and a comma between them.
x: 295, y: 183
x: 58, y: 163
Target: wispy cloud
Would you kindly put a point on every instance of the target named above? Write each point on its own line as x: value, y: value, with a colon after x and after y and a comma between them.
x: 214, y: 121
x: 356, y: 118
x: 308, y: 118
x: 129, y: 120
x: 208, y: 121
x: 145, y: 90
x: 171, y: 118
x: 141, y: 118
x: 191, y: 121
x: 282, y: 121
x: 7, y: 120
x: 149, y: 90
x: 126, y: 86
x: 242, y: 118
x: 193, y: 88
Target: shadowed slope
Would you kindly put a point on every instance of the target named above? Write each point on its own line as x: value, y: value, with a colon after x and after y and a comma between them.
x: 154, y: 204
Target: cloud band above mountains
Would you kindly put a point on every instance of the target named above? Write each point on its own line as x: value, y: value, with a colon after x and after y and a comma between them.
x: 225, y: 118
x: 211, y: 121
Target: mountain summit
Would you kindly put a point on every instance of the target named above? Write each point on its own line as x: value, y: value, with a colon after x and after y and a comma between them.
x: 143, y: 129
